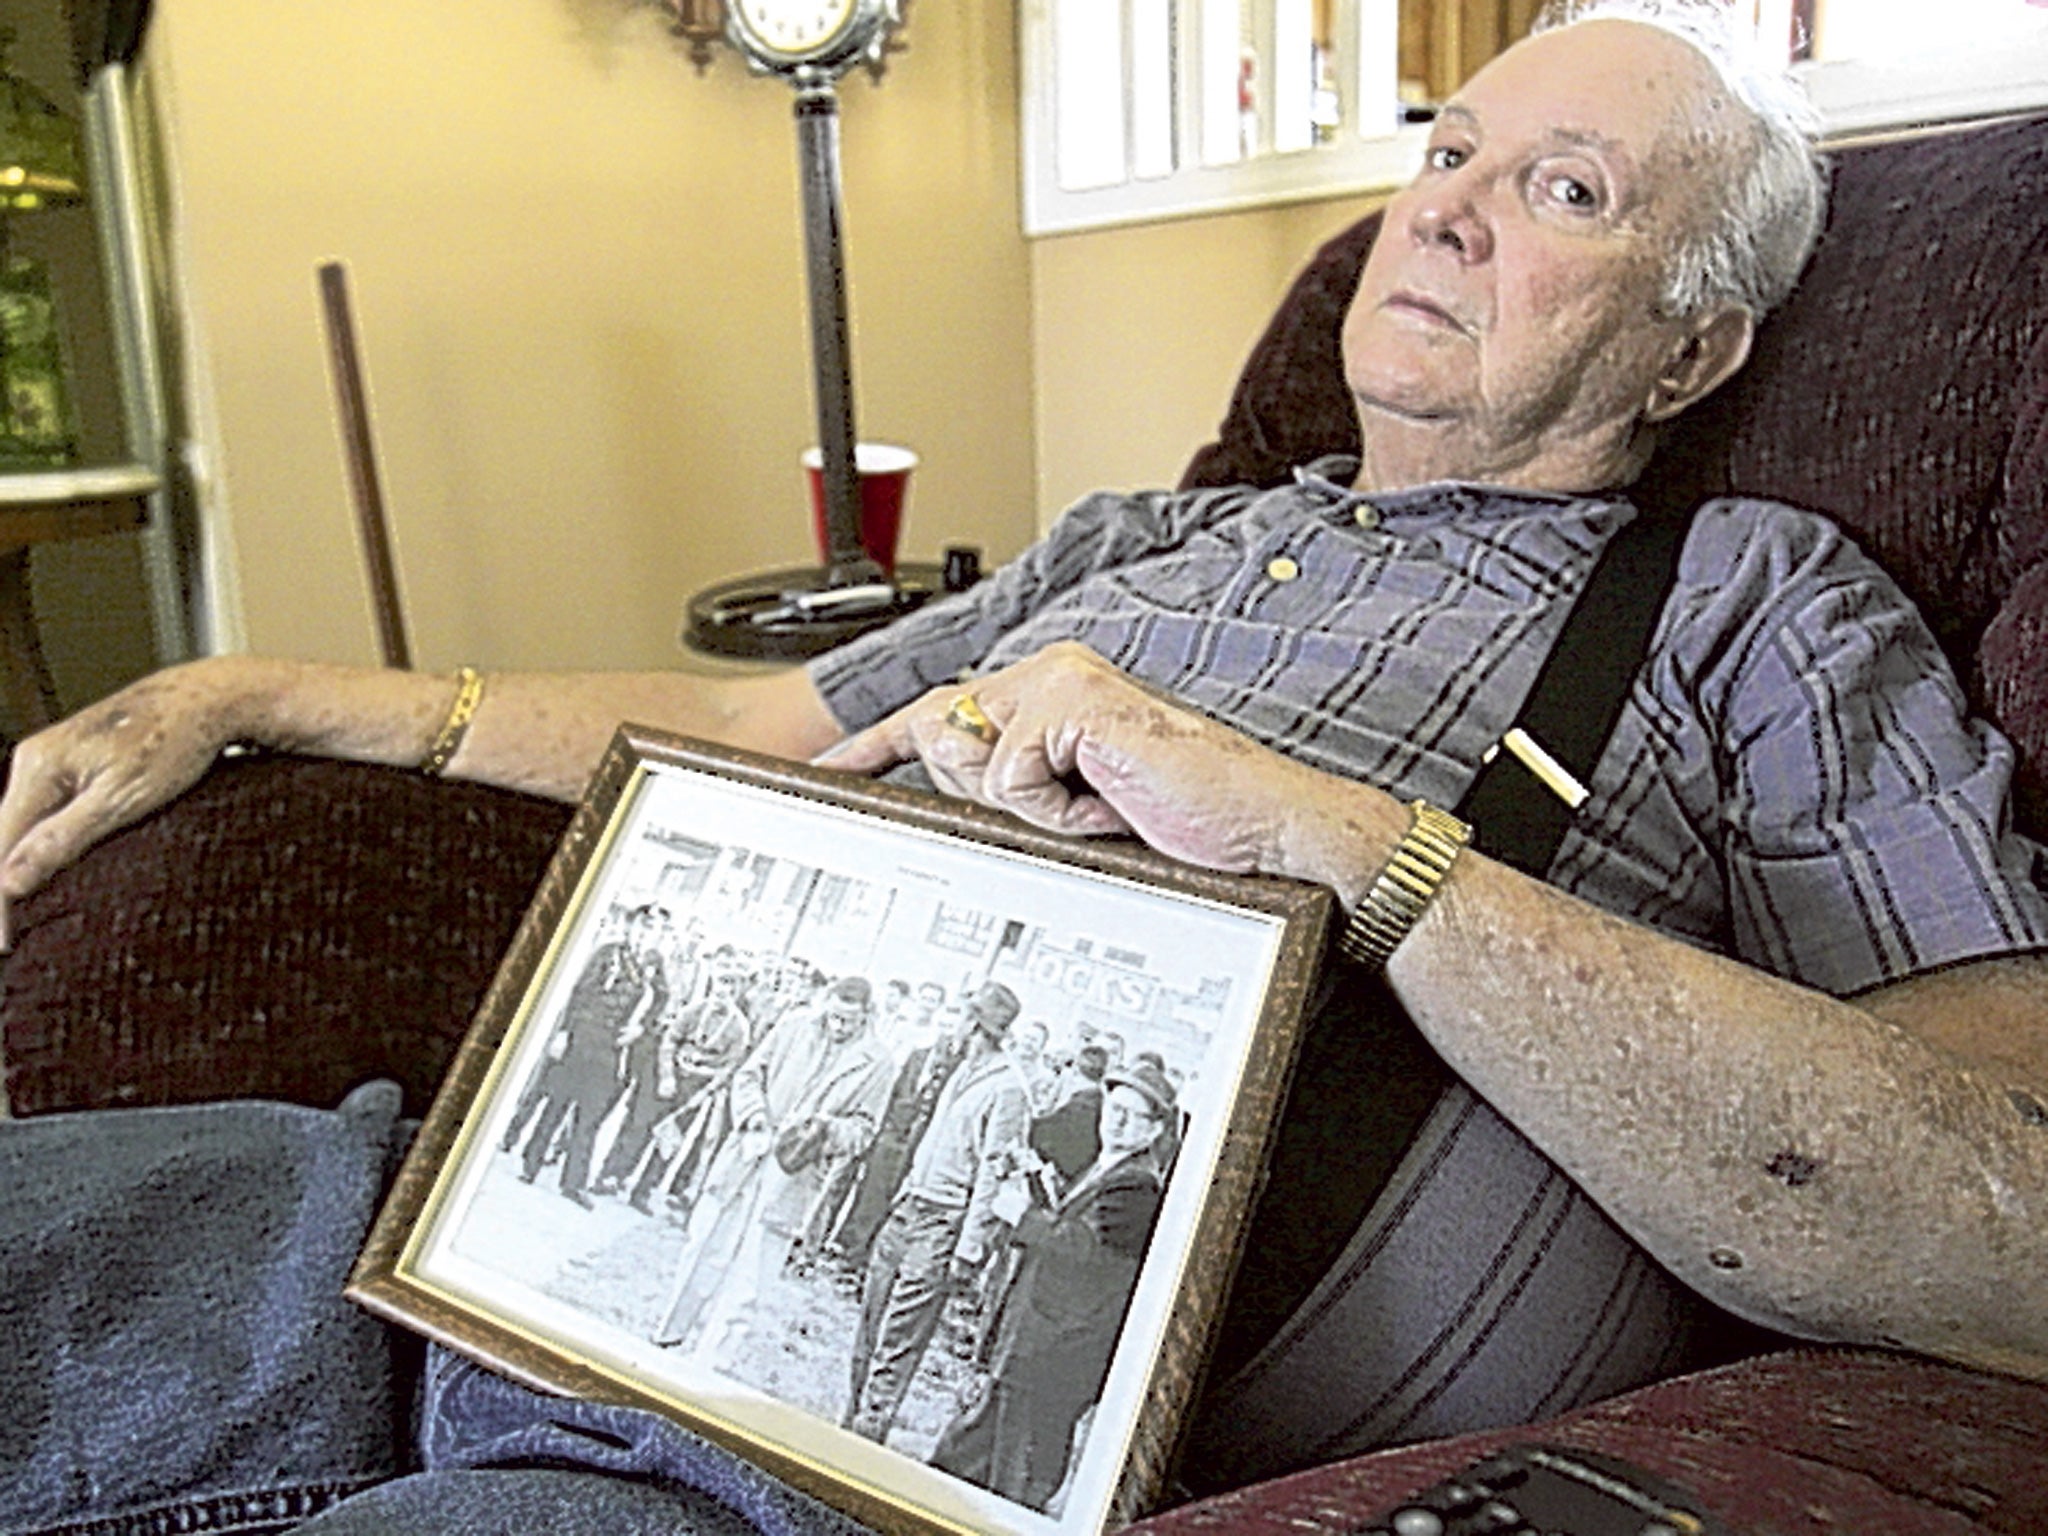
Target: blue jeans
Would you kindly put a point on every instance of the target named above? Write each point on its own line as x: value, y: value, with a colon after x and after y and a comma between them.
x: 176, y: 1356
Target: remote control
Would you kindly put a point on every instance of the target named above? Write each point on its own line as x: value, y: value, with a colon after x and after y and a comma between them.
x: 1539, y: 1490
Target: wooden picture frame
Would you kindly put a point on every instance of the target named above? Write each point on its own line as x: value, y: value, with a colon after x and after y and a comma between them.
x: 584, y: 1049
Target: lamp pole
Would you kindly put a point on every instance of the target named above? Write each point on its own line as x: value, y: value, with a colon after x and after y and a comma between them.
x: 817, y: 122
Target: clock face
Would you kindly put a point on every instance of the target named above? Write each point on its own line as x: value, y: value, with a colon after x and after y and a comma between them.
x: 795, y: 29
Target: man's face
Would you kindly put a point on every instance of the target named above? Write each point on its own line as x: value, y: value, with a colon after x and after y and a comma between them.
x: 843, y: 1018
x: 1128, y: 1122
x: 645, y: 932
x: 929, y: 996
x: 1028, y: 1043
x: 1506, y: 324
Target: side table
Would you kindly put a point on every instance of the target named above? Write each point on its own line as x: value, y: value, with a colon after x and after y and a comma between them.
x: 41, y: 507
x: 742, y: 619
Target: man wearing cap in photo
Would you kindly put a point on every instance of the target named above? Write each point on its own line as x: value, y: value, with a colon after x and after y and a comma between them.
x: 1082, y: 1248
x: 940, y: 1230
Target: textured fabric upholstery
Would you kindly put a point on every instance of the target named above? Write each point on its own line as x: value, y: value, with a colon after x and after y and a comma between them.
x: 289, y: 929
x: 293, y: 927
x: 1803, y: 1443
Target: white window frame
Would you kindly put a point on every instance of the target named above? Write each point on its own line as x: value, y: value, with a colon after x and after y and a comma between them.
x: 1354, y: 162
x: 1860, y: 96
x: 1856, y: 98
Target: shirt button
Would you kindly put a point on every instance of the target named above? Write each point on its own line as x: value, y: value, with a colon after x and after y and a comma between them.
x: 1367, y: 515
x: 1280, y: 568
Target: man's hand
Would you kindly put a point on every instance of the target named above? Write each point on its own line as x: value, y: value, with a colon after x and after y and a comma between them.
x: 1084, y: 749
x: 540, y: 733
x: 85, y: 777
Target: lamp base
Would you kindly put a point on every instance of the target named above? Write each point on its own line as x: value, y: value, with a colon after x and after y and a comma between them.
x: 794, y: 614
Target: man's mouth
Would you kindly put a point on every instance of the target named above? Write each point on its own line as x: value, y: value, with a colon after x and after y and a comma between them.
x: 1421, y: 306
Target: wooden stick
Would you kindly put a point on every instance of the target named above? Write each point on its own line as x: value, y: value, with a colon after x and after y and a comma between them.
x: 364, y: 487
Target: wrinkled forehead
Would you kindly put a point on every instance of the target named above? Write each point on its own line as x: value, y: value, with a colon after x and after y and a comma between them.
x: 1634, y: 93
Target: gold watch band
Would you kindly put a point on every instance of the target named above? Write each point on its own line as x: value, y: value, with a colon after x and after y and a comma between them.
x: 1403, y: 890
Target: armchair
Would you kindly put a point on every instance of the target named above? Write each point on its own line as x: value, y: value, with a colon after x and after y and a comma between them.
x: 292, y: 927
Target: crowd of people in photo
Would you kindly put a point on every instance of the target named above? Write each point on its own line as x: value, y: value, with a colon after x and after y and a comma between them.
x: 924, y: 1151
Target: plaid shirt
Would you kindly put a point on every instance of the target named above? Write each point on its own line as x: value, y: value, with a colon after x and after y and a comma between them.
x: 1792, y: 780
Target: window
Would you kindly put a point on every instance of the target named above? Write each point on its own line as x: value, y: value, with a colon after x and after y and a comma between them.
x: 1141, y: 109
x: 1873, y: 64
x: 1146, y: 109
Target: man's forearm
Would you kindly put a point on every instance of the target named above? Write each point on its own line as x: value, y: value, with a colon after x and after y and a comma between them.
x: 118, y: 760
x: 1802, y: 1160
x: 539, y: 732
x: 1798, y: 1159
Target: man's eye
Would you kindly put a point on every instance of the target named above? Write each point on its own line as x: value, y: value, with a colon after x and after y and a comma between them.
x: 1572, y: 193
x: 1445, y: 157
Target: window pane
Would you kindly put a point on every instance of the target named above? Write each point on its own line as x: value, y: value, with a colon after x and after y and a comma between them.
x: 1294, y: 75
x: 1153, y: 61
x: 1226, y: 93
x: 1088, y: 94
x: 1379, y: 68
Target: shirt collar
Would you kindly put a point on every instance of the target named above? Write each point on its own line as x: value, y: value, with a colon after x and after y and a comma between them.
x: 1330, y: 479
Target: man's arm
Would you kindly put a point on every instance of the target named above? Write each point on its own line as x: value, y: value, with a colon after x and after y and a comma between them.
x: 998, y: 1138
x: 113, y: 763
x: 1873, y: 1170
x: 1823, y: 1167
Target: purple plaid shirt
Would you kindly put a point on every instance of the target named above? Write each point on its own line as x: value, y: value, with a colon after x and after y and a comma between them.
x: 1793, y: 779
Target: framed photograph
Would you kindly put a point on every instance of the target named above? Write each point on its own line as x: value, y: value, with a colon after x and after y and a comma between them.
x: 900, y: 1147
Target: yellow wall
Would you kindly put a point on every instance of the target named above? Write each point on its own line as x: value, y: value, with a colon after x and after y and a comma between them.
x: 1139, y: 334
x: 576, y: 266
x: 578, y: 283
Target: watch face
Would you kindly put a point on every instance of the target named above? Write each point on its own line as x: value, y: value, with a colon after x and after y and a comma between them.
x: 795, y: 29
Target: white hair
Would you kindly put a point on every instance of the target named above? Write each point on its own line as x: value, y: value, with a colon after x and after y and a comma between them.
x: 1756, y: 241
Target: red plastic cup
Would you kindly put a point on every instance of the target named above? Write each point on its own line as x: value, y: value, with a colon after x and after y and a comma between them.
x: 884, y: 471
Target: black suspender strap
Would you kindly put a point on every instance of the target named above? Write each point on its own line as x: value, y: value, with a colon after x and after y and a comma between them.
x: 1578, y: 694
x: 1392, y: 1281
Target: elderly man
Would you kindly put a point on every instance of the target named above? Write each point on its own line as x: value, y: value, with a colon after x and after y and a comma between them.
x: 1604, y: 214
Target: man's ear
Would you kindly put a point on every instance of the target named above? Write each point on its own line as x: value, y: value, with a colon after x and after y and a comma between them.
x: 1709, y: 349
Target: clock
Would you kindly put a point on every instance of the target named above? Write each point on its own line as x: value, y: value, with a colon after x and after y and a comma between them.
x: 811, y: 39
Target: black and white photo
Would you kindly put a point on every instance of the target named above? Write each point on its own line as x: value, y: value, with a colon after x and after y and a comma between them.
x: 888, y: 1143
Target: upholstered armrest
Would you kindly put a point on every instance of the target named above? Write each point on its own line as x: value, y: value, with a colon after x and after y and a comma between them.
x: 1806, y: 1441
x: 288, y: 929
x: 2013, y: 678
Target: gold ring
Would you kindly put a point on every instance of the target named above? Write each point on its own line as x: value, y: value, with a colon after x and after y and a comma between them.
x: 963, y: 714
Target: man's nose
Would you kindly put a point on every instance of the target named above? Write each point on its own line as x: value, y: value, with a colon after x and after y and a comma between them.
x: 1446, y: 217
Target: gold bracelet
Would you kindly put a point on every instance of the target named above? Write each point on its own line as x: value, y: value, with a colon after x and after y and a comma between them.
x: 1396, y: 900
x: 469, y: 692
